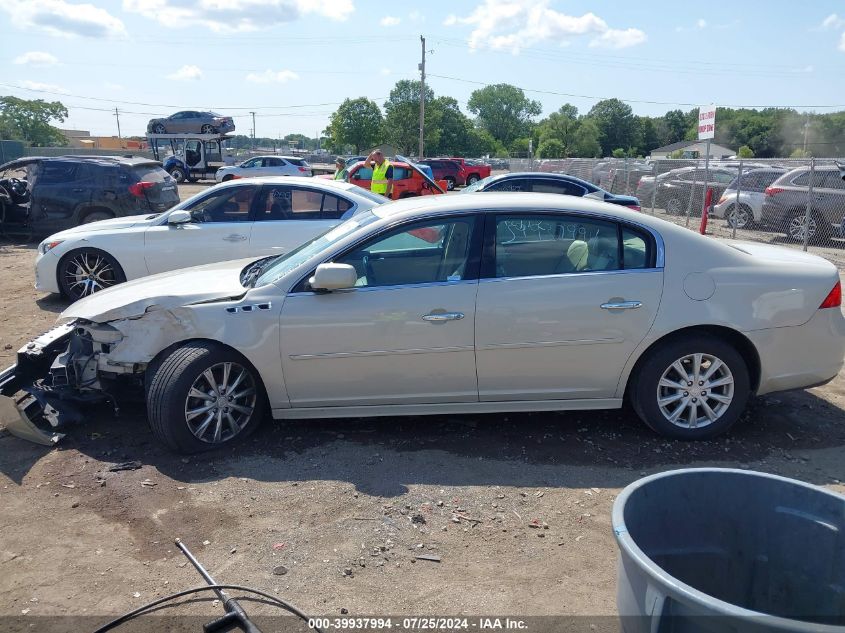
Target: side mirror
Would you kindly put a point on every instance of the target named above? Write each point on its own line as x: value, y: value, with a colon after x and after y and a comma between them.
x: 333, y: 277
x: 179, y: 217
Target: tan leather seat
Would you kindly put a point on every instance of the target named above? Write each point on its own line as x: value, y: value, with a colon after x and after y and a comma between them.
x: 578, y: 254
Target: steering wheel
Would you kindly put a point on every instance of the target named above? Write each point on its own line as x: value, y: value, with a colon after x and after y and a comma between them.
x: 19, y: 189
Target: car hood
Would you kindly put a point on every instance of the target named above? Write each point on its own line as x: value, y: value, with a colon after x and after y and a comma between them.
x: 107, y: 225
x: 164, y: 291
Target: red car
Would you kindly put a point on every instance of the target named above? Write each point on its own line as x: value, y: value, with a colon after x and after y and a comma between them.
x: 473, y: 170
x: 407, y: 182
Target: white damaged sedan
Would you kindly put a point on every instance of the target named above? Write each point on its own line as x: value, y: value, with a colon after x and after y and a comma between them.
x: 448, y: 304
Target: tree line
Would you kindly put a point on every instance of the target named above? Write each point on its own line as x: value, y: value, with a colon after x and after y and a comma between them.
x: 503, y: 121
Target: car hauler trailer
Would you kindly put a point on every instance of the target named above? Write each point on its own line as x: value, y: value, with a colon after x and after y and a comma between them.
x: 189, y: 156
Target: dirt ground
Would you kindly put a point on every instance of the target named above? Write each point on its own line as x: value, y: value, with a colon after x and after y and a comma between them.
x: 346, y: 506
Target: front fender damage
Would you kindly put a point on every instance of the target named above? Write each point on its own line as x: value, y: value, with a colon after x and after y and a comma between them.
x: 84, y: 362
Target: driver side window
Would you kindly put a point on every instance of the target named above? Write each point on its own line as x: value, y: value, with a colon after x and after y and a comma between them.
x: 425, y: 252
x: 231, y: 204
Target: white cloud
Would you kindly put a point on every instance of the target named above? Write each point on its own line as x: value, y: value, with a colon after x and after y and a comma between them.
x: 701, y: 23
x: 58, y: 17
x: 37, y: 85
x: 37, y: 58
x: 833, y: 21
x: 272, y: 76
x: 236, y: 15
x: 188, y: 72
x: 514, y: 24
x: 389, y: 20
x: 619, y: 38
x: 385, y: 71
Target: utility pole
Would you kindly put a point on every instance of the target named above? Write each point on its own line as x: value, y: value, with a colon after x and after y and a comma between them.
x: 117, y: 116
x: 422, y: 99
x: 253, y: 130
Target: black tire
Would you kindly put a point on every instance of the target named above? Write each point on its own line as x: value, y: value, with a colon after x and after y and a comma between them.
x: 95, y: 216
x: 744, y: 216
x: 645, y: 386
x: 674, y: 206
x: 168, y: 399
x: 208, y: 129
x: 820, y: 229
x: 84, y: 271
x: 450, y: 183
x: 472, y: 179
x: 158, y: 128
x: 178, y: 174
x: 227, y: 178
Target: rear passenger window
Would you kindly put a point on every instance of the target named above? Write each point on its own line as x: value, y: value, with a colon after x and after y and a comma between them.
x: 635, y: 250
x: 334, y: 207
x: 567, y: 188
x: 514, y: 184
x: 57, y: 173
x: 554, y: 244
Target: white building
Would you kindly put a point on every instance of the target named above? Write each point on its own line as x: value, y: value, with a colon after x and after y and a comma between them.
x: 693, y: 149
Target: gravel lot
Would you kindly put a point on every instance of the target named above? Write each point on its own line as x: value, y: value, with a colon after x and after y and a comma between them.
x: 346, y: 505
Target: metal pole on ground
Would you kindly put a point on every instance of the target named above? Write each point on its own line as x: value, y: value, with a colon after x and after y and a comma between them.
x: 809, y: 212
x: 736, y: 203
x: 691, y: 194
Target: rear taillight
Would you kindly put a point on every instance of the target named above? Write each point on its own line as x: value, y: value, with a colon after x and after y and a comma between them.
x: 139, y: 188
x: 634, y: 207
x: 833, y: 298
x: 773, y: 191
x: 303, y: 169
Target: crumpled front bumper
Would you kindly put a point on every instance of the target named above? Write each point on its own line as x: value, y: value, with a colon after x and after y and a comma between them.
x: 18, y: 414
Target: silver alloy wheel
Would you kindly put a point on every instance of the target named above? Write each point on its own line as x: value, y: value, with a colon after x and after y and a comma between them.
x: 674, y: 207
x: 695, y: 391
x: 739, y: 217
x: 220, y: 403
x: 797, y: 226
x: 86, y: 273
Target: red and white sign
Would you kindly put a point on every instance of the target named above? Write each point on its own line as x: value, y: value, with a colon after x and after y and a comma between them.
x: 706, y: 122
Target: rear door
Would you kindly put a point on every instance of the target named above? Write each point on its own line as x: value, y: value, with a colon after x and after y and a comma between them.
x: 563, y: 302
x: 61, y: 188
x: 287, y: 216
x: 219, y: 231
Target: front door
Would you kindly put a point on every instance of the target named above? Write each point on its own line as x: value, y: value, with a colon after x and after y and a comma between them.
x: 562, y: 305
x: 403, y: 335
x: 219, y: 231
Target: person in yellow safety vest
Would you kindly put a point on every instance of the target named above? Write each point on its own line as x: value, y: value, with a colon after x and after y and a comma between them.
x: 340, y: 172
x: 382, y: 180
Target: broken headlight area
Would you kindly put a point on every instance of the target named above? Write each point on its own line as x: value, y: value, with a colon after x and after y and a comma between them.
x: 64, y: 368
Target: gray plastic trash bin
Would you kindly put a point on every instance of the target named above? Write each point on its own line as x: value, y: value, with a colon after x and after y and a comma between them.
x: 711, y: 549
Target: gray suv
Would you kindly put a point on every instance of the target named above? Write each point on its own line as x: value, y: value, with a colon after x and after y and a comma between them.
x: 785, y: 204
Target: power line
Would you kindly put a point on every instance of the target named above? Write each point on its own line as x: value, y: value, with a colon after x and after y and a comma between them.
x: 643, y: 101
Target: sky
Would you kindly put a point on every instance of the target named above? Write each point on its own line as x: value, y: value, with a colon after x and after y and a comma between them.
x: 293, y: 61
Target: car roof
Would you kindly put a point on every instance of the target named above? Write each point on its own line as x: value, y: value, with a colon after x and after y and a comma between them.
x: 544, y: 175
x: 303, y: 181
x: 127, y: 161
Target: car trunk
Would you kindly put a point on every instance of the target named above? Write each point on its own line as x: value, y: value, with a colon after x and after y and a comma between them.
x: 155, y: 188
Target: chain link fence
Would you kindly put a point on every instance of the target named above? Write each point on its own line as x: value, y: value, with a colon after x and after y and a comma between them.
x: 788, y: 202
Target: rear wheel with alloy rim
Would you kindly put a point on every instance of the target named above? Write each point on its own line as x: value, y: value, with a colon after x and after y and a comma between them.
x: 691, y: 388
x: 741, y: 216
x: 816, y: 229
x: 85, y: 271
x: 204, y: 396
x: 674, y: 206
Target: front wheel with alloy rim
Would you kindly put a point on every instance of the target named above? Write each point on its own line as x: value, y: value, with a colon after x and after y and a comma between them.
x: 204, y: 396
x: 450, y: 183
x: 472, y: 179
x: 691, y: 388
x: 178, y: 174
x: 85, y: 271
x: 674, y: 206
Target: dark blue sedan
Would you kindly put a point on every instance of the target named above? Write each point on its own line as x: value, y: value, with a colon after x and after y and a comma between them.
x: 539, y: 182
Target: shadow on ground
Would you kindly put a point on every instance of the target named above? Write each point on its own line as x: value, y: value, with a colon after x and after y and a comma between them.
x: 382, y: 456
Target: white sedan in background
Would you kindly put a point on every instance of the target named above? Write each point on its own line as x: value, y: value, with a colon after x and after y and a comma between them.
x: 265, y: 166
x: 243, y: 218
x: 455, y: 304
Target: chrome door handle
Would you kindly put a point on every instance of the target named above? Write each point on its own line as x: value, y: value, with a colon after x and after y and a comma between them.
x: 234, y: 237
x: 439, y: 317
x: 622, y: 305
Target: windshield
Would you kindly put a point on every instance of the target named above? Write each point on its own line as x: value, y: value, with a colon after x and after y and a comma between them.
x: 287, y: 262
x: 478, y: 184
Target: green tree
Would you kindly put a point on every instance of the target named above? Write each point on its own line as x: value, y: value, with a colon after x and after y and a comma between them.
x: 800, y: 153
x: 648, y: 137
x: 551, y: 148
x: 402, y: 117
x: 586, y: 143
x: 745, y: 152
x: 672, y: 127
x: 357, y: 122
x: 29, y: 120
x: 559, y: 126
x: 504, y: 111
x: 616, y: 123
x: 453, y: 138
x: 618, y: 153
